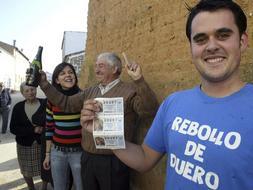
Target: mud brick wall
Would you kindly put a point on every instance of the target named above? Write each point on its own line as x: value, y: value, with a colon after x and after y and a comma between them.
x: 151, y: 32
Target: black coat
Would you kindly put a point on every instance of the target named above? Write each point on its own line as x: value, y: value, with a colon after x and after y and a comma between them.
x: 5, y: 98
x: 21, y: 126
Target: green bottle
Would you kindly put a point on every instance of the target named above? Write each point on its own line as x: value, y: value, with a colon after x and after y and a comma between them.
x: 32, y: 73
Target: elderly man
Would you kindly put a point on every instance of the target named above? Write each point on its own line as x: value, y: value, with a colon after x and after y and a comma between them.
x: 206, y: 131
x: 101, y: 169
x: 5, y: 103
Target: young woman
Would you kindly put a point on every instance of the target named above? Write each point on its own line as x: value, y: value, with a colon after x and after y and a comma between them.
x: 27, y: 121
x: 63, y: 133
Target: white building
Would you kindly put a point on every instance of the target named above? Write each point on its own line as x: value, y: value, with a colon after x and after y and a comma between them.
x: 13, y: 65
x: 73, y: 48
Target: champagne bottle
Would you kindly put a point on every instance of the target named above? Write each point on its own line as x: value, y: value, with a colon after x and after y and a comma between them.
x: 32, y: 73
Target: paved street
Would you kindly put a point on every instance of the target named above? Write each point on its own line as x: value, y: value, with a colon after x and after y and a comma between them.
x: 10, y: 177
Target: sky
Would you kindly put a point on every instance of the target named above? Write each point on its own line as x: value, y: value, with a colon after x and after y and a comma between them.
x: 34, y: 23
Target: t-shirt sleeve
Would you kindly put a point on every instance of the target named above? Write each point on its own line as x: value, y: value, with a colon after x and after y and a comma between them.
x: 155, y: 137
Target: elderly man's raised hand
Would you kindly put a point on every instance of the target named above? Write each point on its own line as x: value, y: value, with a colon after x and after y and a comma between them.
x: 133, y: 69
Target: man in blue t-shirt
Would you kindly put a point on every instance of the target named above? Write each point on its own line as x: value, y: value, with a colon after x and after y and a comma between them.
x: 205, y: 131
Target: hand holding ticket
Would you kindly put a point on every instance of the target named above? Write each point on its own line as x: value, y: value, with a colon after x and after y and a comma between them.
x: 88, y: 113
x: 108, y: 126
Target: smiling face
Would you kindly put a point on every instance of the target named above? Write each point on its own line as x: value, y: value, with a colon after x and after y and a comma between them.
x: 216, y: 45
x: 66, y: 78
x: 105, y: 73
x: 29, y: 93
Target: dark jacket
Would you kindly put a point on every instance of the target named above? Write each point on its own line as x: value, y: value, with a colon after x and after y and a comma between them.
x: 5, y: 98
x: 22, y: 127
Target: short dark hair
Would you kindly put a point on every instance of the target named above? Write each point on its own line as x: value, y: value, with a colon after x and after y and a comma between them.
x: 214, y: 5
x: 57, y: 71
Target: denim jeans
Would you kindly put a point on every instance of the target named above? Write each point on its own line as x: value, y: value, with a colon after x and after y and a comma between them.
x: 61, y: 162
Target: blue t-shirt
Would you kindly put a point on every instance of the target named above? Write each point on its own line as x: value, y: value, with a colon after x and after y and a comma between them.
x: 209, y: 141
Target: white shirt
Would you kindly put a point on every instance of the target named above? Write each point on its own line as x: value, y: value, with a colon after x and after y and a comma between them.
x: 30, y: 109
x: 104, y: 89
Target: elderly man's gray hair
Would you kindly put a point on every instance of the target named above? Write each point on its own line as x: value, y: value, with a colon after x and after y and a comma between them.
x: 112, y: 59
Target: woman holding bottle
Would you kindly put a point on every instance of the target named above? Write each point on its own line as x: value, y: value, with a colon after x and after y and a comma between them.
x: 63, y: 133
